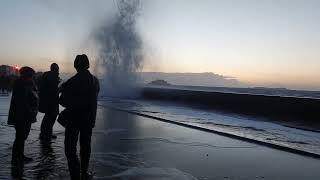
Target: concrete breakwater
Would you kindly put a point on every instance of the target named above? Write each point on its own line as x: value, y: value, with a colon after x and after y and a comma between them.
x: 301, y: 111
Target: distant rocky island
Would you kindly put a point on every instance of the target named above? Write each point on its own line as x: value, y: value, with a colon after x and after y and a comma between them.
x: 159, y: 82
x: 192, y: 79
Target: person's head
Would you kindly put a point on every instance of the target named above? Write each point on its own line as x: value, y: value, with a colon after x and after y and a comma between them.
x: 54, y: 67
x: 81, y: 63
x: 26, y: 72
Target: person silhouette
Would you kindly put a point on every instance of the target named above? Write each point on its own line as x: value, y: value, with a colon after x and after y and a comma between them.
x: 22, y: 112
x: 79, y: 96
x: 49, y: 100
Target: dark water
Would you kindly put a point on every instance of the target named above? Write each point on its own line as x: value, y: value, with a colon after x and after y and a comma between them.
x: 130, y: 147
x: 256, y: 91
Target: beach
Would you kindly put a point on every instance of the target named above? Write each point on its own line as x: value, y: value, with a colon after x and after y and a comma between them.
x: 127, y: 146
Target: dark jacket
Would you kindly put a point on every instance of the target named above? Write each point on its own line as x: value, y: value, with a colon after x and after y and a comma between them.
x: 49, y: 92
x: 79, y: 96
x: 24, y: 103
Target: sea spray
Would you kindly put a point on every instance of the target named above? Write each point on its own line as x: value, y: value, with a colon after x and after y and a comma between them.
x: 120, y: 53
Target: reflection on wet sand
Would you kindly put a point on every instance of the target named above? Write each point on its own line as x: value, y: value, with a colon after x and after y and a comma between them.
x: 17, y: 172
x: 47, y: 160
x: 140, y: 148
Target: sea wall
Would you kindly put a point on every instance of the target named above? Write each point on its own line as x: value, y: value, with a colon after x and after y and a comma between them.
x: 302, y: 110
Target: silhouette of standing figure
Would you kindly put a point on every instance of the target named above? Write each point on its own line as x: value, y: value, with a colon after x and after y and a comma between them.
x: 23, y: 112
x: 79, y: 97
x: 49, y: 100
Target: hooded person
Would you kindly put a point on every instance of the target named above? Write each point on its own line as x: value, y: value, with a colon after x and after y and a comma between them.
x: 23, y: 112
x: 79, y: 97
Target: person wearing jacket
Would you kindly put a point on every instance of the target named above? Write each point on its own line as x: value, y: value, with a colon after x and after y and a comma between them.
x: 79, y: 97
x: 49, y: 100
x: 23, y: 112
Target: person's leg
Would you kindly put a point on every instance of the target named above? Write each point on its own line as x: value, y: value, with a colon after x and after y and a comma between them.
x: 85, y: 148
x: 26, y: 134
x: 18, y: 145
x: 52, y: 120
x: 70, y: 143
x: 43, y: 128
x: 27, y: 130
x: 47, y: 124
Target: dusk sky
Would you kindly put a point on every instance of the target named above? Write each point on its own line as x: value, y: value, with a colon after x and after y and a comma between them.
x: 260, y: 42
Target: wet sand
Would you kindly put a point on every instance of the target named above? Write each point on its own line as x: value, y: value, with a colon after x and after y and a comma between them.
x: 158, y: 150
x: 126, y: 146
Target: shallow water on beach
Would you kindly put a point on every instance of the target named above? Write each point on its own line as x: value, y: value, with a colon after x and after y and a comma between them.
x: 130, y: 147
x: 49, y: 161
x: 48, y: 157
x: 243, y: 126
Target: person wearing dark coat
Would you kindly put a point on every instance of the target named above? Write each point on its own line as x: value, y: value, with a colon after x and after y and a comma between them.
x: 79, y: 97
x: 23, y: 112
x: 49, y: 100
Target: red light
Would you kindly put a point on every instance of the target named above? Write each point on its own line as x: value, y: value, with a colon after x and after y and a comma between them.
x: 16, y: 67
